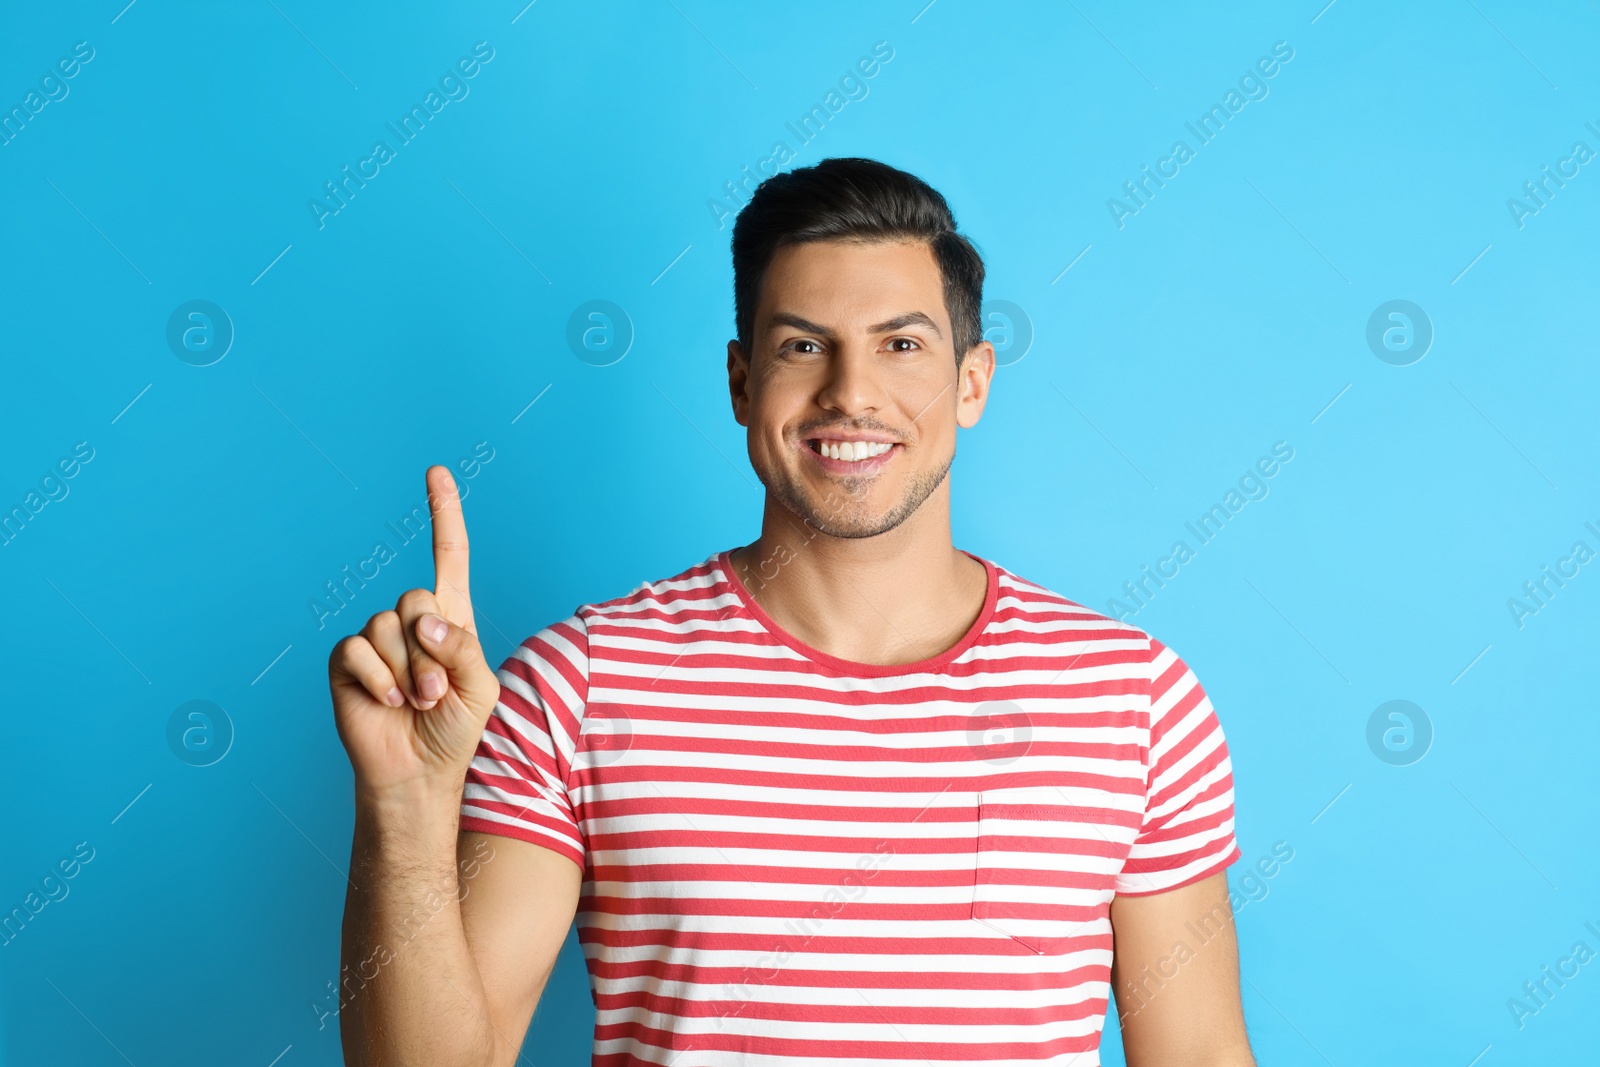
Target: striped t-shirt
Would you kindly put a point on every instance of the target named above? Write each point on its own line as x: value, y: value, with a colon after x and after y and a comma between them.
x: 794, y: 859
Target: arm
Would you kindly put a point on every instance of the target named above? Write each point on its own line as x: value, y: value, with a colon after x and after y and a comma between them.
x: 515, y: 945
x: 448, y: 937
x: 1175, y: 970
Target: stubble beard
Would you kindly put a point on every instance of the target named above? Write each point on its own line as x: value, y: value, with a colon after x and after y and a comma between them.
x: 842, y: 513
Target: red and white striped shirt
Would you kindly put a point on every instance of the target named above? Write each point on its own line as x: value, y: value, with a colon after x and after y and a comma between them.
x: 793, y: 859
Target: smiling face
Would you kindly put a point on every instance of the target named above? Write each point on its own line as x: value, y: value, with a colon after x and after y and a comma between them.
x: 851, y: 392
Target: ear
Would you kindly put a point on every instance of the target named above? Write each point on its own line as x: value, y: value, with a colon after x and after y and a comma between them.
x: 738, y: 383
x: 972, y: 384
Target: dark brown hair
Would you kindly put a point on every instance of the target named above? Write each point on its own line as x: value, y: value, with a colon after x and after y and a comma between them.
x: 850, y: 198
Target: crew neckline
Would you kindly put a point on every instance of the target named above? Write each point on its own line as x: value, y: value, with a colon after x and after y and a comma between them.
x: 854, y: 667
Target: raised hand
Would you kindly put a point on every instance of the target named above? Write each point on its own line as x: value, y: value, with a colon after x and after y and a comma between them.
x: 412, y: 691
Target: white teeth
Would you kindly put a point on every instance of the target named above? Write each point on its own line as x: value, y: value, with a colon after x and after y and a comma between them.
x: 853, y: 451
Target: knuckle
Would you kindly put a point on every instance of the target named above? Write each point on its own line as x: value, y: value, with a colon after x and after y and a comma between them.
x: 384, y: 622
x: 341, y: 652
x: 415, y: 601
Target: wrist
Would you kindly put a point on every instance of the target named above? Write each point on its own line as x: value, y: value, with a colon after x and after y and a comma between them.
x: 411, y: 806
x: 404, y: 842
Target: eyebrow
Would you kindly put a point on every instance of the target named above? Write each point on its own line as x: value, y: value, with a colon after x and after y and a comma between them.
x: 899, y: 322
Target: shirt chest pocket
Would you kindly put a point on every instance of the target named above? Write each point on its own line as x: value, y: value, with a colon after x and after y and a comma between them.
x: 1047, y: 861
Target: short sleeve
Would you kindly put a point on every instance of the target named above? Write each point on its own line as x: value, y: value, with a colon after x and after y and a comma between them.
x: 516, y: 785
x: 1187, y: 831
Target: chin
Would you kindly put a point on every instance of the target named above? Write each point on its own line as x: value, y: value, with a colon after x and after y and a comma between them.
x: 854, y: 526
x: 833, y: 510
x: 846, y: 507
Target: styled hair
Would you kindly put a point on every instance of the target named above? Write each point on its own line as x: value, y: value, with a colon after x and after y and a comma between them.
x: 854, y: 199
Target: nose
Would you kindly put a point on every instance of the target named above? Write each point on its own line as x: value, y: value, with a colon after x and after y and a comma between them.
x: 852, y: 384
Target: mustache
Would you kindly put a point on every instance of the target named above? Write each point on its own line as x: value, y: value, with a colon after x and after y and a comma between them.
x: 864, y: 425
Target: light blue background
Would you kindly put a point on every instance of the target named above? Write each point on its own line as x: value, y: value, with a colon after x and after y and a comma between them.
x: 429, y: 313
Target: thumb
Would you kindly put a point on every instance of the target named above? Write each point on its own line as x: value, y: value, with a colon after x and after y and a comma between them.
x: 457, y: 650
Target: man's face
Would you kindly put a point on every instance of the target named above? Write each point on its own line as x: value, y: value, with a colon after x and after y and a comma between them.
x: 851, y: 392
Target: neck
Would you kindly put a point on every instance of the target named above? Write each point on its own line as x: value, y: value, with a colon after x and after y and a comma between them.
x: 898, y: 597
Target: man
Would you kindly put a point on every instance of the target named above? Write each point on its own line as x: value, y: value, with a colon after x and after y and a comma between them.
x: 844, y: 795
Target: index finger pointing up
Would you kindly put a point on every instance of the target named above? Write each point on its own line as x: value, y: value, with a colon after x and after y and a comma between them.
x: 449, y: 547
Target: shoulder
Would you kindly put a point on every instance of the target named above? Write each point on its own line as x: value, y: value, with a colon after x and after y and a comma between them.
x: 1025, y: 606
x: 556, y: 662
x: 1030, y: 612
x: 1174, y: 710
x: 693, y: 587
x: 697, y: 591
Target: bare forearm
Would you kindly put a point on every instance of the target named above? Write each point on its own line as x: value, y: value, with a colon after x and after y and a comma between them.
x: 409, y: 991
x: 1179, y: 1006
x: 1235, y: 1057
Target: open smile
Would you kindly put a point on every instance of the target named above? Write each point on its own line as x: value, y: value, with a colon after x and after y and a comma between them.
x: 839, y: 455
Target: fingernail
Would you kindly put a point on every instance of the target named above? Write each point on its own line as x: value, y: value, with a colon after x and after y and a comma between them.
x: 433, y: 628
x: 394, y: 698
x: 431, y: 686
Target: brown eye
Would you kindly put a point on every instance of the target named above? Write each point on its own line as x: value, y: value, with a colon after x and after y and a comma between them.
x: 897, y: 340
